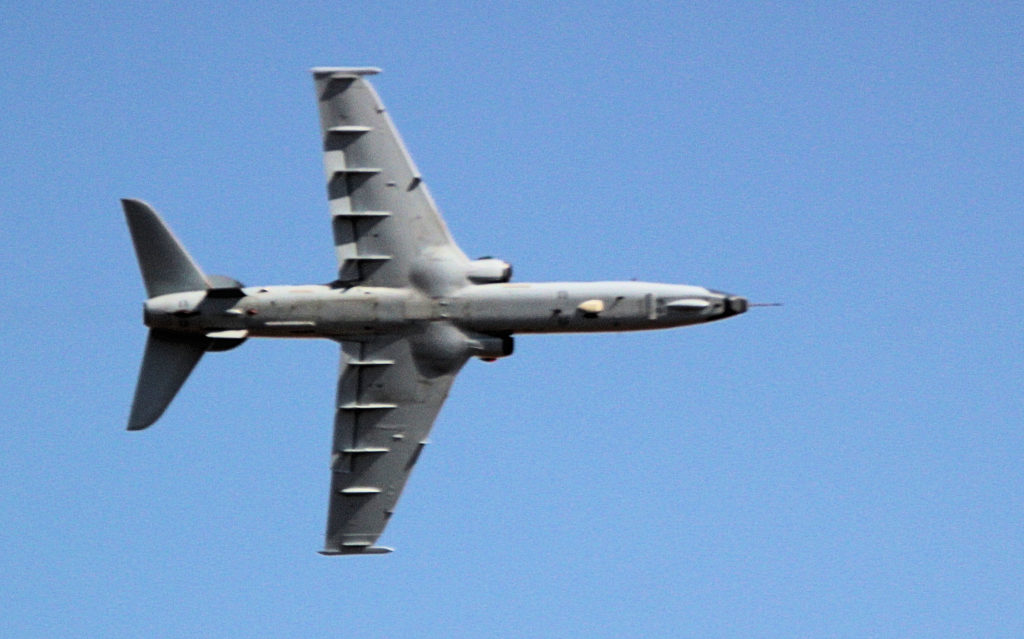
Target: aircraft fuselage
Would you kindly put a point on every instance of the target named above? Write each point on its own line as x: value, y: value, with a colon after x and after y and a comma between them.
x: 500, y: 309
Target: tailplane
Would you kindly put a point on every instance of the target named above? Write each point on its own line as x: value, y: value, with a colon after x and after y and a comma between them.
x: 169, y: 357
x: 166, y: 364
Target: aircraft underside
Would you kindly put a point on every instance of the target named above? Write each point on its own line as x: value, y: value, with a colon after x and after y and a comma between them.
x: 408, y: 307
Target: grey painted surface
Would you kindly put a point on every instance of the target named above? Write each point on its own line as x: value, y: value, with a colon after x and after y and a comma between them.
x: 408, y: 307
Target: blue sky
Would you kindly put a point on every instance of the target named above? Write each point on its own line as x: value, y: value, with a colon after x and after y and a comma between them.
x: 847, y: 465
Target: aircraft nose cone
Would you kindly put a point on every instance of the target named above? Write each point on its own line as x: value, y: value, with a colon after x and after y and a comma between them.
x: 736, y: 304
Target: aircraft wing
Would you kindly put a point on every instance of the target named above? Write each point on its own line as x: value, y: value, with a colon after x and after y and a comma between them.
x: 383, y: 217
x: 386, y: 404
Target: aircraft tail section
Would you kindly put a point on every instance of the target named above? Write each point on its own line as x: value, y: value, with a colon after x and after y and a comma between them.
x: 170, y: 356
x: 166, y: 364
x: 165, y: 264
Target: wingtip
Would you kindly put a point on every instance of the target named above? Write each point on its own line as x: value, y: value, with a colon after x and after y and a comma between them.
x: 356, y: 550
x: 320, y: 71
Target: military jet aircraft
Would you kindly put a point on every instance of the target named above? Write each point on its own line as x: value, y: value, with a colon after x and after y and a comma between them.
x: 407, y: 306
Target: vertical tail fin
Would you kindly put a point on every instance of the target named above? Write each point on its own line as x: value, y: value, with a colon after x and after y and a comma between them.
x: 166, y: 364
x: 165, y: 264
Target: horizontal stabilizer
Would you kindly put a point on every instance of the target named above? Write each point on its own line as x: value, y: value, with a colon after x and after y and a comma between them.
x: 165, y: 264
x: 166, y: 364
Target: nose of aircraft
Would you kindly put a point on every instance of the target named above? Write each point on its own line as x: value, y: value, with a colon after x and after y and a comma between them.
x: 734, y: 305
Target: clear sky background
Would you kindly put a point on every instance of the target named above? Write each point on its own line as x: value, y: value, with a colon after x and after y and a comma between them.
x: 848, y: 465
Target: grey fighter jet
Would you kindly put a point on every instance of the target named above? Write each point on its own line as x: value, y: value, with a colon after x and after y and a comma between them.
x: 407, y: 306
